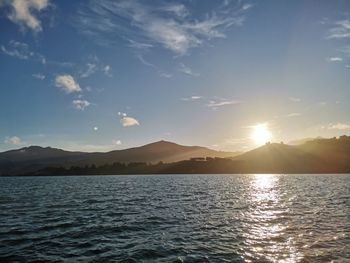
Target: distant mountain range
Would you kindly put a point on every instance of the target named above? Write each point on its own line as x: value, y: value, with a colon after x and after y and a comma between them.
x: 33, y: 158
x: 312, y: 156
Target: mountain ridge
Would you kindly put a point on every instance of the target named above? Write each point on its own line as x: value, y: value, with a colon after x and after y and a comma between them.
x: 34, y: 157
x: 315, y: 156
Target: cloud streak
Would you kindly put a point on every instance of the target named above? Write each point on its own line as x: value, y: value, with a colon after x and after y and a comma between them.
x: 335, y: 59
x: 339, y: 126
x: 340, y: 29
x: 39, y: 76
x: 192, y: 98
x: 188, y: 71
x: 22, y: 51
x: 169, y: 25
x: 217, y: 104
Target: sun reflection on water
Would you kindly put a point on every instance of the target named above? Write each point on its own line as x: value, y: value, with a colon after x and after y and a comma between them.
x: 266, y: 223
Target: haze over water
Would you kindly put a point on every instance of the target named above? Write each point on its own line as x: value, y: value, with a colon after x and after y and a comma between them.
x: 175, y: 218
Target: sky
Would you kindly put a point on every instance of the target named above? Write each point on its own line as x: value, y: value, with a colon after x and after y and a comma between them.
x: 107, y: 75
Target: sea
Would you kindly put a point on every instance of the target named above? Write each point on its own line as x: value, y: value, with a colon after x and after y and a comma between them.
x: 175, y: 218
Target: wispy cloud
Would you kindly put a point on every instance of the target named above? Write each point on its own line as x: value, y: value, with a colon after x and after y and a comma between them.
x: 165, y: 75
x: 95, y: 65
x: 80, y: 104
x: 293, y: 114
x: 192, y: 98
x: 91, y: 68
x: 170, y: 25
x: 107, y: 70
x: 188, y: 71
x: 335, y: 59
x: 21, y: 50
x: 294, y: 99
x: 339, y: 29
x: 215, y: 104
x: 13, y: 140
x: 39, y: 76
x: 67, y: 83
x: 117, y: 142
x: 338, y: 126
x: 24, y: 12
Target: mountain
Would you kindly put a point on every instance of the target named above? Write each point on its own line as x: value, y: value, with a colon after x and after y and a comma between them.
x: 155, y: 152
x: 333, y: 154
x: 32, y: 158
x: 35, y: 157
x: 314, y: 156
x: 303, y: 140
x: 33, y: 153
x: 277, y: 158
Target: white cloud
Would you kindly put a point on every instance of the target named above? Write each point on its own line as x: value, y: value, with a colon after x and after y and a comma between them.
x: 186, y: 70
x: 39, y: 76
x: 335, y: 59
x: 294, y: 114
x: 216, y: 104
x: 128, y: 121
x: 178, y: 10
x: 192, y: 98
x: 339, y: 126
x: 117, y: 142
x: 165, y: 75
x: 67, y: 83
x: 121, y: 113
x: 91, y: 68
x: 95, y: 128
x: 169, y: 25
x: 14, y: 140
x: 23, y: 12
x: 81, y: 104
x: 107, y: 70
x: 294, y: 99
x: 138, y: 45
x: 22, y: 51
x: 339, y: 30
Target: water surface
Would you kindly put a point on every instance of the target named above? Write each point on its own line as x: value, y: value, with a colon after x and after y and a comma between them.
x: 175, y: 218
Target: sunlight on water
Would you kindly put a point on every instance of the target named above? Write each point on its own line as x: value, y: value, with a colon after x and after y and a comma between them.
x: 175, y: 218
x: 266, y: 237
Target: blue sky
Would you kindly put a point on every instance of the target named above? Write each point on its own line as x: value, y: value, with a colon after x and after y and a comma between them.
x: 104, y: 75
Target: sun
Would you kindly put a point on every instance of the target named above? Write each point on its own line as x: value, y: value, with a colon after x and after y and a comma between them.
x: 261, y: 133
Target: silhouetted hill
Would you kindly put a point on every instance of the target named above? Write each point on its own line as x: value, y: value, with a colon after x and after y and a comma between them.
x: 277, y: 158
x: 303, y: 140
x: 314, y: 156
x: 37, y: 153
x: 332, y: 154
x: 33, y: 158
x: 155, y: 152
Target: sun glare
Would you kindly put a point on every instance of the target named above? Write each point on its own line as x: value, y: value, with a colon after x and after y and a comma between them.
x: 261, y: 133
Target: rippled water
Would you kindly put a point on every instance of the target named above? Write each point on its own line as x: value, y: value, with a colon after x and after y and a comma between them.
x: 175, y: 218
